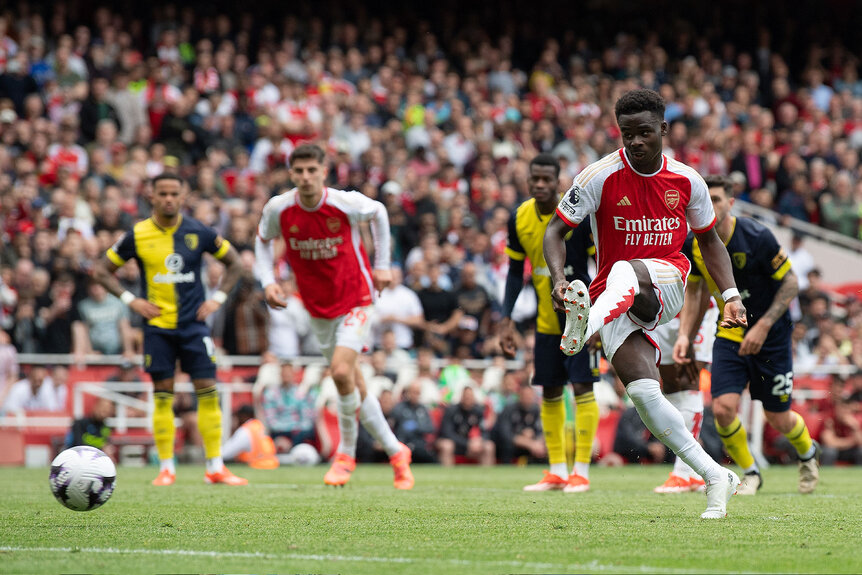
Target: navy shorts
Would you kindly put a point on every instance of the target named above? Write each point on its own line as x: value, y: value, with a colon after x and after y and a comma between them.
x: 191, y: 344
x: 555, y: 369
x: 769, y: 374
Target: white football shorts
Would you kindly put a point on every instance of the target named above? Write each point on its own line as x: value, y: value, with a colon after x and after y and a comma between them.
x: 669, y: 288
x: 351, y: 330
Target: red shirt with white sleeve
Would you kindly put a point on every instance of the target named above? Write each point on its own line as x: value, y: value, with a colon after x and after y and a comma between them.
x: 637, y: 216
x: 325, y: 250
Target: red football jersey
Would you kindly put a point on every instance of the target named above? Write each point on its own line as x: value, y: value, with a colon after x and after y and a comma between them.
x: 324, y: 248
x: 637, y: 216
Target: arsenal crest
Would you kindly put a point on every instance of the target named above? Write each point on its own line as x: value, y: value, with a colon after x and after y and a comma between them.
x: 333, y: 224
x: 192, y: 241
x: 739, y: 259
x: 671, y: 198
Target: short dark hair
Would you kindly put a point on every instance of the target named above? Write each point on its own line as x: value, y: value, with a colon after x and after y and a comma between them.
x: 720, y: 182
x: 307, y: 152
x: 167, y: 176
x: 640, y: 100
x: 546, y: 160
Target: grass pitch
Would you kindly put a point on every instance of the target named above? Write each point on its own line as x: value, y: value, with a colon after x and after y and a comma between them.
x: 462, y: 520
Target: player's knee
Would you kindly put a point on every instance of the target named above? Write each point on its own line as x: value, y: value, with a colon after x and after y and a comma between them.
x: 341, y: 373
x: 622, y: 271
x: 644, y: 391
x: 783, y: 421
x: 579, y: 388
x: 724, y: 411
x: 445, y: 446
x: 552, y: 391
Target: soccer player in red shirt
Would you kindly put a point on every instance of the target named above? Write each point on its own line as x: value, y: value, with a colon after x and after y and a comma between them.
x: 639, y: 202
x: 320, y: 227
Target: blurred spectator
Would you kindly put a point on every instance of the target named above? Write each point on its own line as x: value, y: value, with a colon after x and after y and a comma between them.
x: 801, y: 260
x: 54, y: 314
x: 102, y: 325
x: 399, y: 310
x: 518, y: 431
x: 475, y: 322
x: 636, y: 444
x: 92, y: 430
x: 841, y: 437
x: 246, y: 316
x: 36, y: 392
x: 442, y: 314
x: 462, y: 431
x: 96, y: 108
x: 8, y: 366
x: 289, y: 327
x: 840, y: 210
x: 288, y: 413
x: 413, y: 426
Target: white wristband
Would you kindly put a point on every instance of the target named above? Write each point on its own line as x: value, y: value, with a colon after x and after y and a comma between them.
x: 219, y: 297
x: 127, y: 297
x: 729, y: 293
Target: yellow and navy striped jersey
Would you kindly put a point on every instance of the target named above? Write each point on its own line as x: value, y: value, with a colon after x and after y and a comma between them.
x: 170, y: 261
x: 526, y: 236
x: 759, y: 266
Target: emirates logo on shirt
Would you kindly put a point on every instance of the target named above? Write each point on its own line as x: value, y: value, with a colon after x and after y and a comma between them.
x: 671, y: 198
x: 333, y: 224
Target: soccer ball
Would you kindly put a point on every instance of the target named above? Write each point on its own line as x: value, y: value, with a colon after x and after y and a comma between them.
x: 303, y: 454
x: 83, y: 478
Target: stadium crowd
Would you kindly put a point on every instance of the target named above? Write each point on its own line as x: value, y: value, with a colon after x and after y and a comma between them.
x: 437, y: 118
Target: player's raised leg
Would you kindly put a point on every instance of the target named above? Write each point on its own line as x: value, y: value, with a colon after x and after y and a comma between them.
x: 621, y: 289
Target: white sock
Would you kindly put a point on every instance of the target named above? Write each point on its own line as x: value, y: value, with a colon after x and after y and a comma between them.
x: 560, y: 470
x: 375, y: 423
x: 582, y: 468
x: 215, y: 464
x: 666, y: 423
x: 690, y: 405
x: 167, y: 464
x: 347, y: 426
x: 619, y: 295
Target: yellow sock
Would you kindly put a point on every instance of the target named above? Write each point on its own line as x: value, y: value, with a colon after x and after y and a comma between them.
x: 735, y: 440
x: 586, y: 425
x: 164, y: 430
x: 554, y: 423
x: 209, y: 421
x: 799, y: 436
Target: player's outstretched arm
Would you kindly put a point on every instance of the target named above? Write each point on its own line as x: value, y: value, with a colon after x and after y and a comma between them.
x: 103, y: 272
x: 233, y: 271
x: 554, y: 249
x: 514, y: 284
x: 756, y: 334
x: 718, y: 265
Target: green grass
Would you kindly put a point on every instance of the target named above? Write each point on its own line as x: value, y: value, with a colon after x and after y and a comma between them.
x: 463, y: 520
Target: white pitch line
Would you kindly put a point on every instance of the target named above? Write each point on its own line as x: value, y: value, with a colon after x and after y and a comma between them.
x: 592, y: 565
